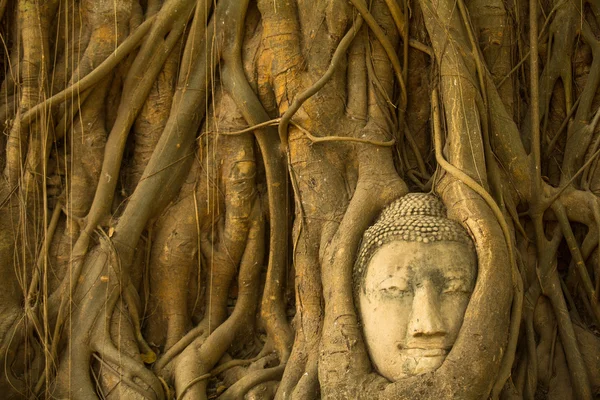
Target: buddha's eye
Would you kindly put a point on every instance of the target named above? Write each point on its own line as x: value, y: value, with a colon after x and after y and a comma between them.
x: 394, y: 290
x: 456, y: 286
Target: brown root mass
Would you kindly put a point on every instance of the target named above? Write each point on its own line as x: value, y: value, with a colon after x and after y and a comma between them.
x: 185, y: 185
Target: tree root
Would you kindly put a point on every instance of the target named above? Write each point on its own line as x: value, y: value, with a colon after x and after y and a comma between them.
x: 236, y: 84
x: 580, y: 267
x: 101, y: 292
x: 178, y: 347
x: 387, y: 45
x: 127, y: 371
x: 517, y: 305
x: 336, y: 59
x: 241, y: 387
x: 94, y: 76
x: 342, y: 93
x: 202, y: 354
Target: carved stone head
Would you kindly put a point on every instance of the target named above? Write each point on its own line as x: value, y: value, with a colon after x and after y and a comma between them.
x: 413, y: 279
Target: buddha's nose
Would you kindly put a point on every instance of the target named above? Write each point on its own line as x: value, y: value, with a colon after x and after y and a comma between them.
x: 426, y: 319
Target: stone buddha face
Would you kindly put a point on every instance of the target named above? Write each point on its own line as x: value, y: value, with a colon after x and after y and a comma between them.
x: 413, y: 303
x: 413, y: 289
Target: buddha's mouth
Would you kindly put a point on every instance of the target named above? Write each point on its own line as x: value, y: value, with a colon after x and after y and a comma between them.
x: 419, y: 352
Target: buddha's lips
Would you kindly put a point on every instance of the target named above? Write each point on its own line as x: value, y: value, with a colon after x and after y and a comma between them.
x: 417, y: 352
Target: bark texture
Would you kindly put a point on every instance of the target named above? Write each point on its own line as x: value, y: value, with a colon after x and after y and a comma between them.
x: 185, y: 184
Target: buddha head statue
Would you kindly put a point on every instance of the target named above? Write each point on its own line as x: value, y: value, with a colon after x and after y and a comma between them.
x: 413, y: 279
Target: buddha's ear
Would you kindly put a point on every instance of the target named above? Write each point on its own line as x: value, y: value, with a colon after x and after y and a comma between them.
x: 487, y: 319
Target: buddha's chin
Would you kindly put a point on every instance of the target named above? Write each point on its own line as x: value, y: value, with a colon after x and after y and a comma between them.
x: 412, y: 362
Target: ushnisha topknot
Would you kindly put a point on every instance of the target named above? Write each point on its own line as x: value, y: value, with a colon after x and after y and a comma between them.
x: 415, y: 217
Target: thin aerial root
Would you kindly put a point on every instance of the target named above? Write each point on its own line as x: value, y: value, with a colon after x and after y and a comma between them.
x: 124, y: 377
x: 94, y: 76
x: 234, y: 363
x: 316, y: 139
x: 595, y: 144
x: 596, y: 211
x: 241, y: 387
x: 166, y: 388
x: 338, y: 56
x: 558, y: 134
x: 191, y: 383
x: 252, y: 128
x: 517, y: 306
x: 32, y: 294
x: 526, y: 56
x: 130, y: 367
x: 547, y: 255
x: 577, y: 369
x: 68, y: 116
x: 387, y: 46
x: 415, y: 148
x: 415, y: 44
x: 179, y: 347
x: 214, y: 346
x: 572, y: 307
x: 398, y: 16
x: 148, y: 355
x: 563, y: 220
x: 99, y: 390
x: 236, y: 83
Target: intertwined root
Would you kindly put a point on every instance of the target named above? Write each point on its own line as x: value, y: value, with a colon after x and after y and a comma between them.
x: 170, y: 259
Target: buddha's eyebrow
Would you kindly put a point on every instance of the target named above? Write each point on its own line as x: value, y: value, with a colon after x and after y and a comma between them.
x: 458, y: 276
x: 394, y: 278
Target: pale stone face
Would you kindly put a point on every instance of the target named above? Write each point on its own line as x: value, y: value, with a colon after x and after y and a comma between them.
x: 413, y: 303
